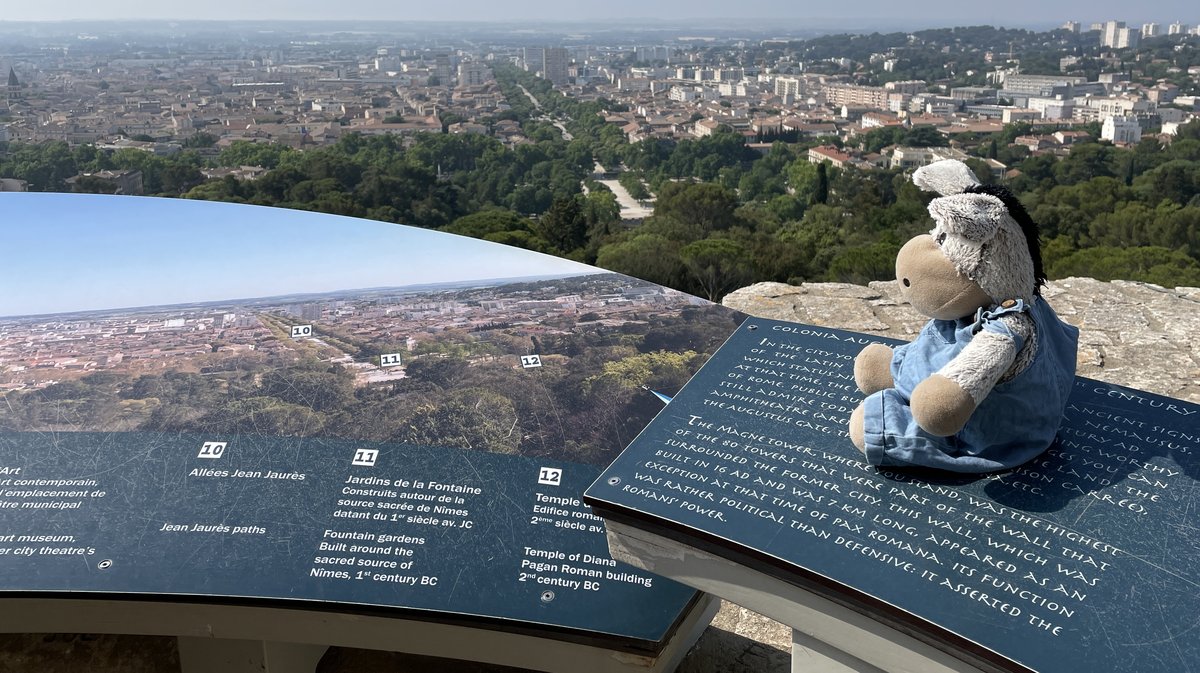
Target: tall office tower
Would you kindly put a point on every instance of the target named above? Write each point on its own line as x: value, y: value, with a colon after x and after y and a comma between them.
x: 1072, y: 26
x: 472, y: 73
x: 531, y: 58
x: 554, y: 65
x: 651, y: 54
x: 1127, y: 38
x: 443, y: 67
x: 1108, y: 37
x: 1177, y: 29
x: 1150, y: 30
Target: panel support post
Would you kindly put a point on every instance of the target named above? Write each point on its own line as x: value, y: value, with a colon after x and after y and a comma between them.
x: 226, y: 655
x: 810, y: 655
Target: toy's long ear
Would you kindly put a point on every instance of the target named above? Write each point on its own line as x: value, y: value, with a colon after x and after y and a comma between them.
x: 975, y: 217
x: 946, y: 177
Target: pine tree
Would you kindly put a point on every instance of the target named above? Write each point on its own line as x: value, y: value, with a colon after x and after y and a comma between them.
x: 822, y: 194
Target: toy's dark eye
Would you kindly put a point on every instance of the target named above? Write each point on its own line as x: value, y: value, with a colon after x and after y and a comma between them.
x: 941, y: 238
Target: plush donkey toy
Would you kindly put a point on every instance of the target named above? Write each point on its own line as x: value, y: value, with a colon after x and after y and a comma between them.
x: 984, y: 385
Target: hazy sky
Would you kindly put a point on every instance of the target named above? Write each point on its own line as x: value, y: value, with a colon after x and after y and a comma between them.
x: 934, y: 13
x: 72, y: 252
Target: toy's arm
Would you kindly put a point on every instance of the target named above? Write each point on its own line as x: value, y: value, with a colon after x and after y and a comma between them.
x: 942, y: 403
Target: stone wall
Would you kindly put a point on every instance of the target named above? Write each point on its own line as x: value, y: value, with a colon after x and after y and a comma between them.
x: 1132, y: 334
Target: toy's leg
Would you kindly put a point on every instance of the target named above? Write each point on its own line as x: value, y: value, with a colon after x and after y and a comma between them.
x: 892, y: 437
x: 856, y: 430
x: 873, y: 368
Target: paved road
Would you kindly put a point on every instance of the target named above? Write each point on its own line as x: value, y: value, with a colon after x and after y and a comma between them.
x: 533, y: 100
x: 630, y: 208
x: 565, y: 133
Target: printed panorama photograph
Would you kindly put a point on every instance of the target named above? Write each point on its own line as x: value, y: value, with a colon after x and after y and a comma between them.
x: 156, y: 315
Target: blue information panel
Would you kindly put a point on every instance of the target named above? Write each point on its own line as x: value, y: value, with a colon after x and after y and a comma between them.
x: 1085, y: 559
x: 244, y: 405
x: 472, y: 534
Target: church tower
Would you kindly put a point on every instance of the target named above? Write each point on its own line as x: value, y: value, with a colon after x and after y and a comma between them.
x: 13, y: 90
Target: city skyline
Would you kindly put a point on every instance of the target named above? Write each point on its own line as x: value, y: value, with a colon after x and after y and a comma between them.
x: 869, y: 13
x: 195, y: 251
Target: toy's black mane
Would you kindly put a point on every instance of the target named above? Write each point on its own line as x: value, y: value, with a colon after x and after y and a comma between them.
x: 1028, y: 227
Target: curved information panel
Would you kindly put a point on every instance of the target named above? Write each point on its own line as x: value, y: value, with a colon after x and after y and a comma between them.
x: 1084, y: 559
x: 231, y: 403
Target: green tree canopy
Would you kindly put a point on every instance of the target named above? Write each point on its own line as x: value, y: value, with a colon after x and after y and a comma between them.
x: 701, y: 208
x: 717, y: 265
x: 490, y: 221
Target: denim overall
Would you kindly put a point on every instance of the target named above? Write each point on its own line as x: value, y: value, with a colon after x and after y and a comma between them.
x: 1015, y: 422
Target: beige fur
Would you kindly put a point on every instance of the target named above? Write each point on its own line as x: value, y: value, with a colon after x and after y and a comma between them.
x: 981, y: 364
x: 873, y: 368
x: 975, y: 217
x: 1021, y: 325
x: 1006, y: 271
x: 858, y: 434
x: 940, y: 406
x: 933, y: 285
x: 945, y: 177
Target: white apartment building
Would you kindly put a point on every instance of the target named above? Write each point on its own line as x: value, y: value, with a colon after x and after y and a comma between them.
x: 912, y: 86
x: 789, y: 86
x: 473, y: 73
x: 1012, y: 115
x: 682, y: 95
x: 387, y: 63
x: 1121, y: 130
x: 941, y: 108
x: 734, y: 89
x: 873, y: 97
x: 633, y: 84
x: 1118, y: 36
x: 1113, y: 106
x: 1108, y: 36
x: 1040, y: 85
x: 657, y: 53
x: 705, y: 127
x: 1128, y: 38
x: 974, y: 94
x: 898, y: 102
x: 914, y: 157
x: 729, y: 74
x: 1053, y: 108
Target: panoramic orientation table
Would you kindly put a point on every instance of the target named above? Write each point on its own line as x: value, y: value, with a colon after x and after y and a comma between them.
x: 344, y: 433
